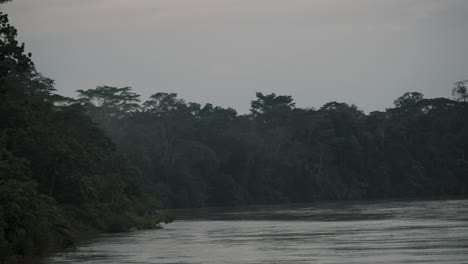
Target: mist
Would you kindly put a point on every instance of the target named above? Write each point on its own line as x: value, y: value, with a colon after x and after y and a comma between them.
x: 363, y: 52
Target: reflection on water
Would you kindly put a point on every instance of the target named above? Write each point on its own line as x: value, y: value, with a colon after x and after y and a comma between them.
x: 374, y: 232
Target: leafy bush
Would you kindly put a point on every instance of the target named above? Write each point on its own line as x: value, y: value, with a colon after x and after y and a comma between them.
x: 30, y: 223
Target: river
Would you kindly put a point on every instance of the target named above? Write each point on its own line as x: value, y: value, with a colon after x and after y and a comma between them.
x: 338, y: 232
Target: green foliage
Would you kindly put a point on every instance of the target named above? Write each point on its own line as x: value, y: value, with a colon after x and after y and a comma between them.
x: 192, y: 156
x: 59, y: 172
x: 117, y: 224
x: 116, y: 101
x: 408, y: 99
x: 271, y: 102
x: 106, y: 162
x: 460, y: 92
x: 30, y: 222
x: 13, y: 60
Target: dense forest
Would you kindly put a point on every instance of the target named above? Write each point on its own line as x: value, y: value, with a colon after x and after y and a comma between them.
x: 107, y: 160
x: 60, y: 175
x: 195, y: 156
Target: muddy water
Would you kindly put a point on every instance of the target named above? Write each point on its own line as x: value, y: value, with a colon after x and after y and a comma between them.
x: 350, y: 232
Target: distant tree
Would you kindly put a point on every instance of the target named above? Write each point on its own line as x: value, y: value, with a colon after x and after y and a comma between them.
x: 271, y: 102
x: 107, y: 105
x: 408, y: 98
x: 460, y: 92
x: 164, y: 103
x: 333, y: 106
x: 377, y: 122
x: 116, y: 101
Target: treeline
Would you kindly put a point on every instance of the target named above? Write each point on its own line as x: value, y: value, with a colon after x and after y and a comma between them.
x: 59, y: 173
x: 106, y: 160
x: 195, y: 156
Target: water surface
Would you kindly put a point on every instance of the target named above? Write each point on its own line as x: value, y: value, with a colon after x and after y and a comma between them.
x: 349, y: 232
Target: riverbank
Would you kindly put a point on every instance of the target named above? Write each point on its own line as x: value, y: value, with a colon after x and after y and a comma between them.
x: 80, y: 226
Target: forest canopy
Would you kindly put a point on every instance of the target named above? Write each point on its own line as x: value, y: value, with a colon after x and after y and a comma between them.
x: 195, y: 156
x: 107, y: 160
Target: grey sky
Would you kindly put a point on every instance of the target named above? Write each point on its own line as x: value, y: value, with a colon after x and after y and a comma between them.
x: 366, y: 52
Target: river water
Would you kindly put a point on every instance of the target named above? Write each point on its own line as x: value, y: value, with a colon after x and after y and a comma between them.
x: 349, y: 232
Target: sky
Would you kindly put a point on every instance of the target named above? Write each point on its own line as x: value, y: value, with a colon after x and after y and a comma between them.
x: 363, y: 52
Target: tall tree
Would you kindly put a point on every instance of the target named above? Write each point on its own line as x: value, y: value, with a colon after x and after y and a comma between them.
x: 460, y: 92
x: 271, y: 102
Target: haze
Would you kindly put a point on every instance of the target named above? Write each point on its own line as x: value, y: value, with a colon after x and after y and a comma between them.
x: 364, y: 52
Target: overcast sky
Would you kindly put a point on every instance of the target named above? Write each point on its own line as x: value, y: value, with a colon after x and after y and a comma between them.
x: 365, y: 52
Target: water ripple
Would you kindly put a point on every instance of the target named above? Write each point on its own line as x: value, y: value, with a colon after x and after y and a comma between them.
x: 378, y: 232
